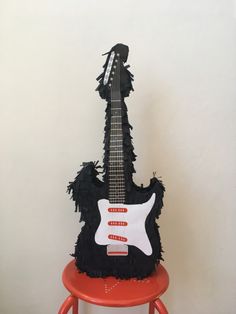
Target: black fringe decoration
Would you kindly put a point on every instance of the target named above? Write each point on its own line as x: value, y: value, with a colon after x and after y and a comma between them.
x: 87, y: 189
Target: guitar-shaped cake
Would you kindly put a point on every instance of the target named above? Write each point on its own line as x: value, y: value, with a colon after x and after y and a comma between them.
x: 120, y: 236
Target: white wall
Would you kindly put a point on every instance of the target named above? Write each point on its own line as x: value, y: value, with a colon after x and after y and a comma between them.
x: 183, y: 112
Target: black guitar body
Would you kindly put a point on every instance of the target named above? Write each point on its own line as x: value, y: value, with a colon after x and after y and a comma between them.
x: 92, y: 258
x: 87, y: 189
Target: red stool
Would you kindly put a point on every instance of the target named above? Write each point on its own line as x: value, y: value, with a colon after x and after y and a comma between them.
x: 114, y: 292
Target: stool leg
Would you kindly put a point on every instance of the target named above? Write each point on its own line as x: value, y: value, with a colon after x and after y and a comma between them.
x: 70, y: 302
x: 159, y: 305
x: 151, y: 308
x: 75, y: 306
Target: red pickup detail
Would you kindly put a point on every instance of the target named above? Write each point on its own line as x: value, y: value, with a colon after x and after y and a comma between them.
x: 117, y: 238
x: 117, y: 210
x: 118, y: 223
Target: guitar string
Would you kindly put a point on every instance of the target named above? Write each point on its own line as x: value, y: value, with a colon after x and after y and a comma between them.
x: 117, y: 151
x: 112, y: 183
x: 121, y: 181
x: 121, y: 153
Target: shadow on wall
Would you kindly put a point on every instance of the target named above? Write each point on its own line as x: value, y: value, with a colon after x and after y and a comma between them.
x: 159, y: 151
x: 178, y: 226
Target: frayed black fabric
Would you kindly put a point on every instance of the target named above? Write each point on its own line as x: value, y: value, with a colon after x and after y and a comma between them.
x: 87, y: 189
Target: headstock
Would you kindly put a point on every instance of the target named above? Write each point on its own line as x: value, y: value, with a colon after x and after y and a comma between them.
x: 110, y: 69
x: 115, y: 73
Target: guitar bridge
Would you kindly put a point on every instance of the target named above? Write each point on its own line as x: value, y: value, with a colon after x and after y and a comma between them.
x: 117, y: 250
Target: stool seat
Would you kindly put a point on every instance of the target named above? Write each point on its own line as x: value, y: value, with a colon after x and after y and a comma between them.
x: 114, y: 292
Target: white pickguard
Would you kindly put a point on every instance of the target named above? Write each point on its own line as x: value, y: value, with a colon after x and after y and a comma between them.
x: 134, y: 232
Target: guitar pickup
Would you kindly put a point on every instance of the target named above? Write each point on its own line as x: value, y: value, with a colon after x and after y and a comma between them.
x: 117, y: 238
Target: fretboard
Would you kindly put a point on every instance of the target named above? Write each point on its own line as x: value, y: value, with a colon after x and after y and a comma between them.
x: 116, y: 158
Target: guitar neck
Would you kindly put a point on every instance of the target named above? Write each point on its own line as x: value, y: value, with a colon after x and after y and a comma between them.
x: 116, y: 175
